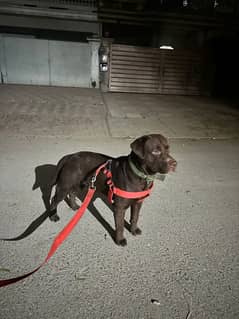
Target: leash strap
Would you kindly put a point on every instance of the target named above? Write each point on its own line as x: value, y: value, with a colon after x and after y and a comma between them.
x: 65, y: 231
x: 58, y: 239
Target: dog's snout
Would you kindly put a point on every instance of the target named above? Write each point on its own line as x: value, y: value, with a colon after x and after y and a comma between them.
x: 171, y: 159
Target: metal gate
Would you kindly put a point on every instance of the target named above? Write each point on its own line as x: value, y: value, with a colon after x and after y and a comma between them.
x: 153, y: 70
x: 44, y: 62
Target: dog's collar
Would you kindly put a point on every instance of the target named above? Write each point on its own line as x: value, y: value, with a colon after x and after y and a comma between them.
x: 149, y: 178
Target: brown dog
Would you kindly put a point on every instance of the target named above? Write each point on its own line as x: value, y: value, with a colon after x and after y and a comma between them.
x: 132, y: 173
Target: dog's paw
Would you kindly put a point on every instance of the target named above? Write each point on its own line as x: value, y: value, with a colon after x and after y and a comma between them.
x: 136, y: 231
x: 54, y: 218
x: 121, y: 242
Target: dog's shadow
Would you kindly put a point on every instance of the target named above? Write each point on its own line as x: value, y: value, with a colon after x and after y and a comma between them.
x: 43, y: 181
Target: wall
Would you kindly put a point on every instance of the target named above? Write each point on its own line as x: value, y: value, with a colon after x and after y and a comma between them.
x: 45, y: 62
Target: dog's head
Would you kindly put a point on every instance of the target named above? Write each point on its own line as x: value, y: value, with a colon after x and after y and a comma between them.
x: 152, y: 152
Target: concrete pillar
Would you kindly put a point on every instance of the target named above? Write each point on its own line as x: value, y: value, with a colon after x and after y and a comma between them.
x: 95, y: 44
x: 3, y: 69
x: 105, y: 75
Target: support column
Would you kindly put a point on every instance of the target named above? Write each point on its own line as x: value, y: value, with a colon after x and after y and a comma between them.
x: 3, y: 70
x: 95, y: 44
x: 105, y: 49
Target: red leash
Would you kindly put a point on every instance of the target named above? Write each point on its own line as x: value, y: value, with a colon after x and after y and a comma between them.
x: 58, y: 240
x: 72, y: 223
x: 64, y: 233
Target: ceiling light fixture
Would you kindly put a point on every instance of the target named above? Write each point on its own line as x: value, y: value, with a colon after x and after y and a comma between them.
x: 166, y: 47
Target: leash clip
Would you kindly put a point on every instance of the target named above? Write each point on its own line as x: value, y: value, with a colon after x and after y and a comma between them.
x: 92, y: 182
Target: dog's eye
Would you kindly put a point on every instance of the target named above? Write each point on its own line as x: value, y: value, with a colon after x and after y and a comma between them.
x: 156, y: 152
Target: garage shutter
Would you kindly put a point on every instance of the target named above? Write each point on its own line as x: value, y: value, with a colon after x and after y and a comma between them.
x: 180, y: 72
x: 134, y: 69
x: 152, y: 70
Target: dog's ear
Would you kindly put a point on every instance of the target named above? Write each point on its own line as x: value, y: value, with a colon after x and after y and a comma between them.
x: 138, y: 146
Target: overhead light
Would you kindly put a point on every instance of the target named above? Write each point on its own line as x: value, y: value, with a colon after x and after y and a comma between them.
x: 185, y: 3
x: 166, y: 47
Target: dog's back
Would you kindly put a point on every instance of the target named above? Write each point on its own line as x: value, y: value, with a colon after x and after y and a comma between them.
x: 74, y: 168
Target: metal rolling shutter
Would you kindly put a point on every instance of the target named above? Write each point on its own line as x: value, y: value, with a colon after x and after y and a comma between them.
x: 152, y: 70
x: 134, y: 69
x: 180, y: 73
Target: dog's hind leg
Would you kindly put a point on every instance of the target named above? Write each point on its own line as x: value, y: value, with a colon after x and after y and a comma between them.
x: 71, y: 201
x: 60, y: 194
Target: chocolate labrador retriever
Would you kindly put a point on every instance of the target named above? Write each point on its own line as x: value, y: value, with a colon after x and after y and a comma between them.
x: 133, y: 173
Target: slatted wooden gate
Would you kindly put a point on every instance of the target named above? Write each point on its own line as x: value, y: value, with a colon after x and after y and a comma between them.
x: 152, y: 70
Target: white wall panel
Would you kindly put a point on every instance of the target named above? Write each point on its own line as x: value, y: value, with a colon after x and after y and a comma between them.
x: 26, y: 60
x: 43, y: 62
x: 70, y: 63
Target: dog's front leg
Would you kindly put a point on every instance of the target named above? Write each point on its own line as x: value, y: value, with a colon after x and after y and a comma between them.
x: 134, y: 216
x: 119, y: 214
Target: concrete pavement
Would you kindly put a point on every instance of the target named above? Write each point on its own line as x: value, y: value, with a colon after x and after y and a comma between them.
x: 186, y: 259
x: 174, y: 116
x: 55, y: 111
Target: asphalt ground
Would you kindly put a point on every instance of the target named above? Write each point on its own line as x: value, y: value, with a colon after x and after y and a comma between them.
x: 185, y: 263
